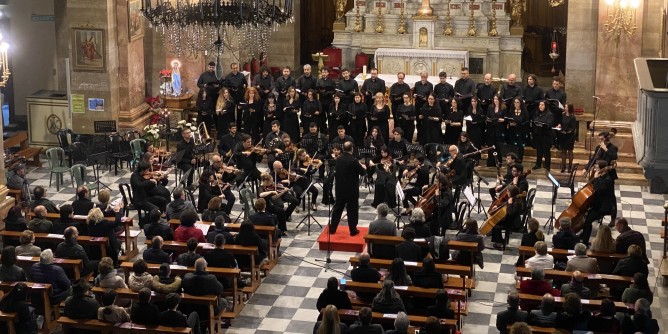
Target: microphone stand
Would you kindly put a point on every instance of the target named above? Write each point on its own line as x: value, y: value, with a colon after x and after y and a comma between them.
x: 478, y: 202
x: 328, y: 258
x: 593, y: 127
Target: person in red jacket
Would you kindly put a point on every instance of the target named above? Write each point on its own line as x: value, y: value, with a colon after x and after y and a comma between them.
x: 187, y: 228
x: 538, y: 286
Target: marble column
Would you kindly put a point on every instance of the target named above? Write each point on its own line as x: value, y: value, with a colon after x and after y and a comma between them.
x: 581, y: 56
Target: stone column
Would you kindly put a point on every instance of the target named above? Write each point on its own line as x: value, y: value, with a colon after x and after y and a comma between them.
x: 581, y: 55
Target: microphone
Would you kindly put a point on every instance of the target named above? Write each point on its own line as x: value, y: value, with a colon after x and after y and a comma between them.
x: 596, y: 97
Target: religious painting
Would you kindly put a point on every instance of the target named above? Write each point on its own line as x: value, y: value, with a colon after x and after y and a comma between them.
x: 135, y: 20
x: 88, y: 50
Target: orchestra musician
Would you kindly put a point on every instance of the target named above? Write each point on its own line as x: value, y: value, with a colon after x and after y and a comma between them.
x: 444, y: 91
x: 160, y: 189
x: 454, y: 119
x: 485, y: 92
x: 431, y: 117
x: 567, y: 137
x: 235, y: 82
x: 406, y: 117
x: 290, y: 107
x: 328, y: 183
x: 496, y: 128
x: 371, y: 87
x: 457, y: 164
x: 518, y: 118
x: 357, y: 111
x: 421, y: 91
x: 209, y: 85
x: 224, y: 176
x: 347, y: 87
x: 397, y: 91
x: 442, y: 220
x: 311, y: 108
x: 271, y: 113
x: 224, y: 112
x: 384, y: 186
x: 379, y: 115
x: 604, y: 197
x: 510, y: 90
x: 305, y: 83
x: 373, y: 140
x: 503, y: 181
x: 246, y: 157
x: 274, y: 143
x: 187, y: 146
x: 273, y: 194
x: 465, y: 146
x: 464, y: 87
x: 337, y: 116
x: 348, y: 170
x: 314, y: 142
x: 476, y: 126
x: 252, y: 113
x: 417, y: 178
x: 512, y: 220
x: 326, y: 89
x: 305, y: 166
x: 609, y: 152
x: 288, y: 145
x: 542, y: 139
x: 287, y: 179
x: 211, y: 186
x: 283, y: 84
x: 142, y: 183
x: 229, y: 141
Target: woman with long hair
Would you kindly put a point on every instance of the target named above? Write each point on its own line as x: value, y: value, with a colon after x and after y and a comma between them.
x: 397, y: 273
x: 224, y: 112
x: 388, y: 300
x: 290, y: 109
x: 374, y: 139
x: 99, y: 226
x: 517, y: 127
x: 252, y: 113
x: 476, y: 126
x: 248, y: 237
x: 270, y: 112
x: 406, y: 117
x: 566, y: 135
x: 466, y: 146
x: 357, y: 111
x: 431, y: 117
x: 454, y: 119
x: 496, y: 127
x: 16, y: 301
x: 379, y: 116
x: 330, y: 323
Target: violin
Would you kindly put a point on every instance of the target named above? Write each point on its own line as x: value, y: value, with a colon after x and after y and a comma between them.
x: 258, y: 150
x: 309, y: 162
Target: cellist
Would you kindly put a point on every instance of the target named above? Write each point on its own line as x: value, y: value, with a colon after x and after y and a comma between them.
x: 503, y: 181
x: 512, y: 220
x: 420, y: 174
x: 604, y: 193
x: 442, y: 220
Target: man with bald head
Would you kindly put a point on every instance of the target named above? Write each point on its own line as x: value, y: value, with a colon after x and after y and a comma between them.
x: 485, y: 92
x: 366, y: 274
x: 510, y: 90
x: 39, y: 224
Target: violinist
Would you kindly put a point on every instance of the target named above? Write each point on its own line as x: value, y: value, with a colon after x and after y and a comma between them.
x: 327, y: 185
x: 442, y: 220
x: 384, y: 189
x: 160, y: 189
x: 229, y: 141
x: 414, y: 181
x: 503, y: 181
x: 187, y: 146
x: 289, y: 146
x: 496, y: 127
x: 398, y: 145
x: 224, y: 176
x: 604, y: 197
x: 314, y: 141
x: 311, y: 110
x: 273, y: 194
x: 210, y: 186
x: 271, y: 113
x: 290, y: 109
x: 476, y: 126
x: 516, y: 132
x: 224, y: 112
x: 431, y: 117
x: 457, y: 164
x: 305, y: 166
x: 246, y: 157
x: 337, y: 116
x: 357, y: 112
x: 406, y: 117
x: 512, y: 220
x: 284, y: 181
x: 141, y: 184
x: 274, y: 143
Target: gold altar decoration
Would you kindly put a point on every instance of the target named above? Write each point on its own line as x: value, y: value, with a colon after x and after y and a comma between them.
x: 358, y: 20
x: 425, y: 9
x: 402, y: 21
x: 471, y: 31
x: 518, y: 7
x: 448, y: 22
x: 555, y: 3
x: 4, y: 63
x: 340, y: 6
x: 320, y: 58
x: 493, y: 32
x: 621, y: 17
x: 379, y: 21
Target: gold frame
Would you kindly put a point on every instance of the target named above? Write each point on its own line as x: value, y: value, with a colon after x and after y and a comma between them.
x: 80, y: 37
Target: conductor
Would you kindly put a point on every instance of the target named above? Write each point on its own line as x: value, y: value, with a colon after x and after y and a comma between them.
x: 348, y: 171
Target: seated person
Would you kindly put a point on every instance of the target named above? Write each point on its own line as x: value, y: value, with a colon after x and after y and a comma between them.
x: 104, y: 203
x: 388, y: 300
x: 573, y: 317
x: 9, y: 271
x: 576, y: 286
x: 201, y: 283
x: 39, y: 194
x: 82, y: 204
x: 581, y: 261
x: 512, y: 315
x: 17, y: 181
x: 565, y: 238
x: 172, y: 317
x: 401, y: 324
x: 332, y: 295
x: 187, y: 228
x: 441, y: 309
x: 16, y: 301
x: 542, y: 259
x: 40, y: 224
x: 248, y: 237
x: 70, y: 249
x: 157, y: 226
x: 408, y: 250
x: 219, y: 228
x: 26, y: 248
x: 66, y: 219
x: 383, y: 226
x: 214, y: 209
x: 176, y: 207
x: 330, y: 321
x: 641, y: 321
x: 535, y: 286
x: 221, y: 258
x: 164, y: 283
x: 470, y: 234
x: 188, y: 258
x: 49, y: 273
x: 419, y: 224
x: 632, y: 264
x: 364, y: 325
x: 264, y: 218
x: 604, y: 321
x: 15, y: 220
x: 139, y: 277
x: 109, y: 277
x: 155, y: 254
x: 639, y: 289
x: 110, y: 312
x: 81, y: 305
x: 366, y: 274
x: 545, y: 315
x: 143, y: 312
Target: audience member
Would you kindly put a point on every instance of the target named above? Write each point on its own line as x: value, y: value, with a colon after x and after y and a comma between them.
x: 201, y: 283
x: 641, y: 321
x: 70, y: 249
x: 82, y: 204
x: 533, y: 235
x: 581, y: 261
x: 401, y: 324
x: 441, y: 309
x: 214, y: 209
x: 639, y: 289
x: 39, y: 194
x: 397, y: 273
x: 26, y: 248
x: 103, y: 198
x: 143, y: 312
x: 179, y: 205
x: 108, y: 277
x: 219, y: 228
x: 187, y: 228
x: 470, y: 234
x: 330, y: 323
x: 628, y: 237
x: 139, y: 277
x: 99, y: 226
x: 155, y: 254
x: 428, y: 277
x: 366, y: 274
x: 388, y: 300
x: 633, y: 263
x: 364, y: 325
x: 263, y: 218
x: 576, y: 286
x: 9, y: 271
x: 383, y: 226
x: 157, y: 226
x: 81, y: 305
x: 16, y: 301
x: 47, y: 272
x: 544, y: 316
x: 408, y: 250
x: 15, y: 220
x: 535, y: 286
x: 520, y: 328
x: 431, y: 326
x: 172, y: 317
x: 164, y: 283
x: 573, y: 317
x: 512, y: 315
x: 604, y: 320
x: 109, y: 311
x: 419, y: 223
x: 603, y: 241
x: 188, y: 258
x: 542, y: 259
x: 248, y: 237
x: 332, y: 295
x: 565, y: 238
x: 39, y: 224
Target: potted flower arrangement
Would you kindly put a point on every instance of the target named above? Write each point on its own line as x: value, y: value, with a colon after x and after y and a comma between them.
x: 152, y: 134
x: 185, y: 124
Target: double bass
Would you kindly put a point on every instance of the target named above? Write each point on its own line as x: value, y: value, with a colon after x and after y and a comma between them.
x: 499, y: 214
x: 580, y: 205
x: 503, y: 197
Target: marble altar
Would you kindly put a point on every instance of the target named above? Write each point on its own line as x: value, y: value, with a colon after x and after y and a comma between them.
x: 413, y: 62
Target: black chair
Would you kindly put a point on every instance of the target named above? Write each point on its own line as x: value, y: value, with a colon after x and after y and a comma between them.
x: 78, y: 154
x: 120, y: 151
x: 460, y: 214
x: 128, y: 202
x: 431, y: 149
x: 65, y: 139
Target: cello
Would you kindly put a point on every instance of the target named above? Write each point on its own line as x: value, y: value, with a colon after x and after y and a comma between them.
x: 503, y: 197
x: 428, y: 201
x: 499, y: 214
x: 580, y: 204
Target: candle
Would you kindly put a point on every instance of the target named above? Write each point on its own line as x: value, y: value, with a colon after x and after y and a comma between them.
x: 554, y: 45
x: 364, y: 70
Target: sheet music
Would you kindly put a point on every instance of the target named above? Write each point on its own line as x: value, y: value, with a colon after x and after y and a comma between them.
x: 468, y: 118
x: 400, y: 192
x: 468, y: 193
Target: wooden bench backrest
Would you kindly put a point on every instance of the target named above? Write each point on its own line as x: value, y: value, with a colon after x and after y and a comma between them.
x: 450, y: 269
x: 154, y: 269
x: 567, y: 275
x: 379, y: 318
x: 19, y: 139
x: 590, y: 304
x: 128, y: 327
x: 563, y: 253
x: 453, y: 294
x: 181, y: 247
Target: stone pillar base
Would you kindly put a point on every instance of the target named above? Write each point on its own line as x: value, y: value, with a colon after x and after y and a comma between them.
x: 517, y: 31
x: 339, y: 26
x: 5, y: 204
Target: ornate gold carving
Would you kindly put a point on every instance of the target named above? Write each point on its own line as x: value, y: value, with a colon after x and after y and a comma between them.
x: 379, y: 22
x: 493, y: 32
x: 471, y: 31
x: 402, y: 22
x: 448, y: 22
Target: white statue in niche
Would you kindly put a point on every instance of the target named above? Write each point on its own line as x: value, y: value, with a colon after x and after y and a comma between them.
x: 176, y: 78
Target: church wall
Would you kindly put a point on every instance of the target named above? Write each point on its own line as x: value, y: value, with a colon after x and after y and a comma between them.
x: 32, y: 50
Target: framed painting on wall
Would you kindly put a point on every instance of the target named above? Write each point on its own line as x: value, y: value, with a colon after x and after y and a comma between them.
x: 135, y: 20
x: 89, y: 50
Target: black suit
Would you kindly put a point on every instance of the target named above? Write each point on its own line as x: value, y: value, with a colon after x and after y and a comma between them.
x: 365, y: 274
x: 158, y: 256
x: 604, y: 196
x: 220, y: 258
x: 347, y: 192
x: 140, y: 188
x: 82, y: 206
x: 409, y: 251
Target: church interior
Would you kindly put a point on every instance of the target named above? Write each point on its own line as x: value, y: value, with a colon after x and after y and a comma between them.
x: 183, y: 166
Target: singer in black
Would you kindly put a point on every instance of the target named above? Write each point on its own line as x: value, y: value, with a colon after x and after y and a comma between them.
x: 357, y: 112
x: 532, y: 94
x: 305, y: 83
x: 209, y: 86
x: 485, y: 92
x: 406, y: 117
x: 224, y: 112
x: 421, y: 91
x: 454, y: 119
x: 290, y: 108
x: 464, y: 88
x: 475, y: 127
x: 337, y: 116
x: 326, y: 89
x: 371, y: 87
x: 264, y: 83
x: 607, y: 151
x: 431, y: 117
x: 518, y: 119
x: 444, y: 92
x: 542, y: 127
x: 397, y: 91
x: 311, y: 110
x: 187, y: 146
x: 235, y: 81
x: 496, y: 128
x: 348, y: 170
x: 442, y: 220
x: 604, y: 195
x: 252, y: 113
x: 567, y: 137
x: 282, y: 84
x: 554, y: 96
x: 379, y: 116
x: 347, y: 87
x: 510, y: 90
x: 271, y: 113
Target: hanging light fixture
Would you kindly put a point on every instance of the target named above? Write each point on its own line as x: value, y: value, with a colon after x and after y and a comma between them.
x: 195, y: 26
x: 554, y: 49
x: 621, y: 17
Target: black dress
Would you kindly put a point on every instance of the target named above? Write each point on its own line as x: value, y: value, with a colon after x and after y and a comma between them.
x: 431, y: 128
x: 516, y: 131
x: 252, y: 115
x: 452, y: 132
x: 406, y: 120
x: 380, y: 118
x: 223, y: 118
x: 357, y: 112
x: 309, y: 108
x: 495, y: 131
x: 475, y: 128
x: 337, y: 116
x: 567, y: 132
x: 271, y: 113
x: 290, y: 121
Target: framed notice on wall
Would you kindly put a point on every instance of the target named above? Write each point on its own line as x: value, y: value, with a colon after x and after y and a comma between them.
x: 78, y: 104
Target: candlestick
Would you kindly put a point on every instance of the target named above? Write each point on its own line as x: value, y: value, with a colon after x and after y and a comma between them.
x: 448, y: 22
x: 402, y: 22
x: 379, y: 22
x: 471, y: 31
x: 358, y: 21
x: 493, y: 32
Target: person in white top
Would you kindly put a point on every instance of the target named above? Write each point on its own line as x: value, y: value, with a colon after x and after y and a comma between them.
x: 541, y: 259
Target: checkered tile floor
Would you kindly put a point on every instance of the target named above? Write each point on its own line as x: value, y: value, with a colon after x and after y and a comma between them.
x: 285, y: 302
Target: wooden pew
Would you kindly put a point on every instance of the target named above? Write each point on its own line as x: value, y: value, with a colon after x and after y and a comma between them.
x: 70, y: 266
x: 21, y: 139
x: 590, y: 304
x: 544, y: 330
x: 461, y: 282
x: 52, y: 238
x: 108, y: 327
x: 558, y: 253
x: 8, y: 319
x: 51, y: 312
x: 181, y: 247
x: 130, y: 237
x: 268, y: 232
x: 211, y: 301
x: 350, y: 316
x: 565, y: 276
x: 231, y: 273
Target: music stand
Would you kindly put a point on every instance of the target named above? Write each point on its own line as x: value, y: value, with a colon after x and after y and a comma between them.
x: 478, y: 202
x: 399, y: 195
x: 309, y: 216
x: 555, y: 186
x: 94, y: 159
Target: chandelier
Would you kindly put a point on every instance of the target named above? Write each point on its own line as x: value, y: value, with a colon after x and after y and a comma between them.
x: 196, y: 26
x: 4, y: 64
x: 621, y: 17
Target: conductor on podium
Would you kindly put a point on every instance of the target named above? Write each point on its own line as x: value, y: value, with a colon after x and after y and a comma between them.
x: 347, y: 192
